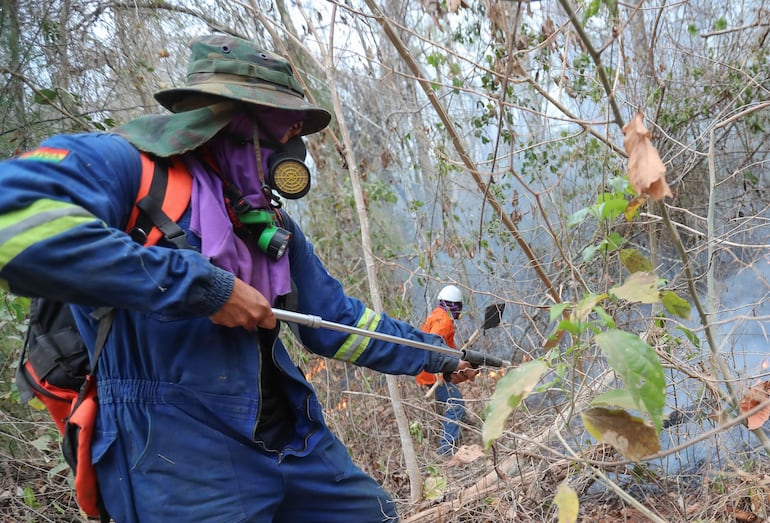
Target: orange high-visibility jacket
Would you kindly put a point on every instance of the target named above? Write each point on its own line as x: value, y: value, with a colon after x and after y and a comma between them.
x: 438, y: 322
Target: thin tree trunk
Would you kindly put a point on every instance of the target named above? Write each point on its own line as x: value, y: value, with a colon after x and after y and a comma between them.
x: 15, y: 108
x: 352, y: 163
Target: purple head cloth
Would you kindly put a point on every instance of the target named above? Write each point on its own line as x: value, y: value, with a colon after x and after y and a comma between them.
x: 210, y: 220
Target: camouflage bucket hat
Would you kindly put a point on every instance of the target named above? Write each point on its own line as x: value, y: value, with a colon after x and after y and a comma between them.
x: 234, y: 68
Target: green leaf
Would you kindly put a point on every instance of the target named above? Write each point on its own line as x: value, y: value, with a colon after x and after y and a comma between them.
x: 639, y: 287
x: 629, y: 435
x: 19, y: 306
x: 509, y: 393
x: 29, y: 498
x: 620, y: 184
x: 721, y: 24
x: 586, y: 306
x: 640, y: 369
x: 612, y: 208
x: 609, y: 321
x: 616, y: 398
x: 569, y: 326
x: 566, y: 499
x: 589, y: 252
x: 612, y: 6
x: 59, y: 508
x: 635, y: 261
x: 675, y: 304
x: 578, y: 217
x: 557, y: 310
x: 36, y: 404
x: 592, y: 9
x: 60, y: 467
x: 615, y: 240
x: 415, y: 430
x: 434, y: 59
x: 434, y: 487
x: 42, y: 443
x: 45, y: 96
x: 690, y: 336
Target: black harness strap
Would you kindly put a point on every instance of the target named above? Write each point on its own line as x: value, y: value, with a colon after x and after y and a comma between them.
x: 151, y: 212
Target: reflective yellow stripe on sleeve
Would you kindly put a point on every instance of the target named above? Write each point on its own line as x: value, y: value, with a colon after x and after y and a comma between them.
x: 356, y: 344
x: 38, y: 222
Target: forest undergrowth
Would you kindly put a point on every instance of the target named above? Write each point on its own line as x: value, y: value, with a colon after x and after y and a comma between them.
x: 503, y: 151
x: 522, y: 471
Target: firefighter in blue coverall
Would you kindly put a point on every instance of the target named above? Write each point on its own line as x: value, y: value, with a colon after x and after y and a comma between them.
x: 202, y: 415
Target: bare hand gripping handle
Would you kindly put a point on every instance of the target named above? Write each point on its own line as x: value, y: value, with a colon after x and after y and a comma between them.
x: 316, y: 322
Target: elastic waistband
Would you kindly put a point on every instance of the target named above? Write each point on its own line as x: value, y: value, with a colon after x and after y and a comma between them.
x: 141, y: 391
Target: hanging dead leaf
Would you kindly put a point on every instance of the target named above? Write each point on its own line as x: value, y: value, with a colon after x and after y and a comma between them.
x: 629, y: 435
x: 756, y: 395
x: 498, y: 16
x: 646, y: 171
x: 454, y: 5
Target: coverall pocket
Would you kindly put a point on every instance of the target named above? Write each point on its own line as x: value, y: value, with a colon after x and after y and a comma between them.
x: 336, y: 457
x: 111, y: 468
x: 100, y: 447
x: 180, y: 468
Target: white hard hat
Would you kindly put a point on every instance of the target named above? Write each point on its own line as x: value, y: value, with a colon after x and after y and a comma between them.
x: 450, y: 293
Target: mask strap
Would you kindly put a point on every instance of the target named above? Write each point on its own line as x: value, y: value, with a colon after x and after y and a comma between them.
x: 266, y: 190
x: 258, y: 153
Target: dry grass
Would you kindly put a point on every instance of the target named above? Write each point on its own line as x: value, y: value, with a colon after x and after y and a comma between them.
x: 359, y: 411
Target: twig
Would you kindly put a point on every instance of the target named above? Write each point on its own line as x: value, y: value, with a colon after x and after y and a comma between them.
x: 611, y: 484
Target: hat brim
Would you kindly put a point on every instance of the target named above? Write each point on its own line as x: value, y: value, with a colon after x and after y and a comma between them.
x: 316, y: 118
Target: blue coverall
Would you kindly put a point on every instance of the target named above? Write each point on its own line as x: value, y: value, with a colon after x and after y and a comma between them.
x: 448, y: 394
x: 179, y: 397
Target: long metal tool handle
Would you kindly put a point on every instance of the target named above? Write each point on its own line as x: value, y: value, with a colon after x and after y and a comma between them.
x: 316, y: 322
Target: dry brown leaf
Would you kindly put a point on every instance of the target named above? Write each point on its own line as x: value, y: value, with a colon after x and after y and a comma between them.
x: 756, y: 395
x: 645, y: 168
x: 467, y: 454
x: 498, y: 15
x: 454, y: 5
x: 743, y: 516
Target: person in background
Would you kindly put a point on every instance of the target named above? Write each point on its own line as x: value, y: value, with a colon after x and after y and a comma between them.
x: 441, y: 321
x: 203, y: 416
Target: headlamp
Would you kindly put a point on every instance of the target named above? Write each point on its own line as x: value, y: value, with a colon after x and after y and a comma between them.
x: 271, y: 240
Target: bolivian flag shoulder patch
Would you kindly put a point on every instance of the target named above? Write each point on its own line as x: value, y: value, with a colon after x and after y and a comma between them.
x: 45, y: 154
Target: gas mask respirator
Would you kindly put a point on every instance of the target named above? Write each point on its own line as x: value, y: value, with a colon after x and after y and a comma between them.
x: 287, y: 173
x: 288, y: 176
